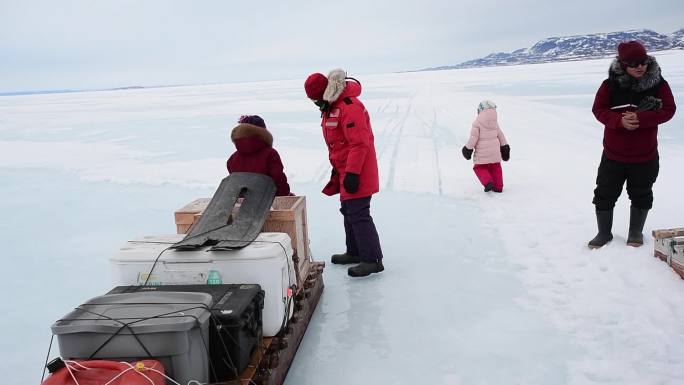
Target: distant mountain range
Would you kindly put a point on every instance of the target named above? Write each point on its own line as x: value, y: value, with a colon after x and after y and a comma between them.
x: 42, y: 92
x: 580, y: 47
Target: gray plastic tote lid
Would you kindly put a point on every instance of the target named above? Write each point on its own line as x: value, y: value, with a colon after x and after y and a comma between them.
x: 142, y: 312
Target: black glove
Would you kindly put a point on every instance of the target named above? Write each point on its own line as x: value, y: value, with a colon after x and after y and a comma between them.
x: 351, y: 182
x: 506, y: 153
x: 467, y: 153
x: 649, y: 103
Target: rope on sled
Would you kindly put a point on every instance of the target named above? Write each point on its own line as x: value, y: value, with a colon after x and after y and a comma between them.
x: 139, y: 368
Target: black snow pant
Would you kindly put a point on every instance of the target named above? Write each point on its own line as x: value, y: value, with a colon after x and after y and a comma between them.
x: 361, y: 236
x: 612, y: 176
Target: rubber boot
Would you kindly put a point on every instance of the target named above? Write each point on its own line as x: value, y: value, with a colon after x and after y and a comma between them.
x: 604, y: 219
x: 637, y: 219
x: 365, y: 268
x: 344, y: 259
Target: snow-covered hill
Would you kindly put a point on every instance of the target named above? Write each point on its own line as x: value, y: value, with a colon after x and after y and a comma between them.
x: 576, y: 48
x: 678, y: 39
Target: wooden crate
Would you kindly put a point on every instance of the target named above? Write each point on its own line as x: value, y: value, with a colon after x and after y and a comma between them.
x: 677, y: 257
x: 662, y: 242
x: 668, y: 233
x: 668, y: 246
x: 186, y: 216
x: 287, y: 215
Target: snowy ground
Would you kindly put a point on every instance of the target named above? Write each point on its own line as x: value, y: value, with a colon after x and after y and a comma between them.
x: 478, y: 289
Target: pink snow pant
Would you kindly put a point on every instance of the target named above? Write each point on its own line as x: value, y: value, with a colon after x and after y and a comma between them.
x: 490, y: 172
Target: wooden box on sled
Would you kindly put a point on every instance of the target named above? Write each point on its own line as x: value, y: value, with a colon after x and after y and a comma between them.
x: 668, y: 245
x: 287, y: 215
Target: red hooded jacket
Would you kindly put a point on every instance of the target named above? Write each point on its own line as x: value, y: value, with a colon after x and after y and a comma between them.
x: 351, y: 146
x: 256, y: 154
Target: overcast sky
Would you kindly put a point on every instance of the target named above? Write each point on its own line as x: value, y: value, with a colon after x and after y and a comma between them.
x: 85, y: 44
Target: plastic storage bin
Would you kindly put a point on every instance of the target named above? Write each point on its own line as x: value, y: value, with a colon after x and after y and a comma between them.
x: 235, y: 328
x: 266, y: 262
x: 169, y: 327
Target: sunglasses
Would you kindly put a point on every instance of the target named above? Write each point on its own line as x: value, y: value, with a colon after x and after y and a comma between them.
x: 634, y: 64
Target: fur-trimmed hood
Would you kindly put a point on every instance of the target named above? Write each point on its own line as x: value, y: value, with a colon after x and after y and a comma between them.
x: 625, y: 81
x: 337, y: 81
x: 340, y: 86
x: 248, y: 137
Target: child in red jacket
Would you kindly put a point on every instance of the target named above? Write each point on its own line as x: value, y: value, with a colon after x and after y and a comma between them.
x: 255, y: 152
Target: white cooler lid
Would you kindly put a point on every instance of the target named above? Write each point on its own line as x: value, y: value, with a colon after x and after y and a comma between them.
x: 146, y: 249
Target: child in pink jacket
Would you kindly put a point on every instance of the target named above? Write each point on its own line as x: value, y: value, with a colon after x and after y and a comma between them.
x: 490, y: 146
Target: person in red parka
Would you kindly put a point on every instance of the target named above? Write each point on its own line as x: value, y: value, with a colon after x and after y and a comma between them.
x: 631, y: 104
x: 351, y: 150
x: 255, y: 152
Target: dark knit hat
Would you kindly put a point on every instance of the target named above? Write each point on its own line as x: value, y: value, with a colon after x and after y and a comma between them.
x: 631, y: 51
x: 315, y: 86
x: 252, y: 119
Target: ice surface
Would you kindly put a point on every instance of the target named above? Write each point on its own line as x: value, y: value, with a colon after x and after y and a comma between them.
x: 478, y: 288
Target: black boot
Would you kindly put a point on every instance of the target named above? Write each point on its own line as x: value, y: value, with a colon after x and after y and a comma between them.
x: 604, y: 218
x: 489, y: 187
x: 344, y: 259
x: 637, y: 219
x: 365, y: 268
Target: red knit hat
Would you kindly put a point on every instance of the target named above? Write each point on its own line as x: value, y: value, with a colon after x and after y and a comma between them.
x: 631, y: 51
x: 315, y: 86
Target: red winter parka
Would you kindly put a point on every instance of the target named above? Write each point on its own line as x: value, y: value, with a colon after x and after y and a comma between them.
x: 256, y: 154
x: 351, y: 146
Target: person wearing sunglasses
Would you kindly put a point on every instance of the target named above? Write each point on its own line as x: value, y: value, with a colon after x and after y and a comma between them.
x: 630, y: 103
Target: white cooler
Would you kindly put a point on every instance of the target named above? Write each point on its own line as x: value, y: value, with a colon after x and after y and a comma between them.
x: 266, y: 262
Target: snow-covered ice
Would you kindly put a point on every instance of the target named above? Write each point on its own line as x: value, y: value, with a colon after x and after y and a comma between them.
x: 478, y: 289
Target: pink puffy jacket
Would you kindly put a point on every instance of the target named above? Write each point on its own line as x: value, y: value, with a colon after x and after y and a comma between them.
x: 486, y: 138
